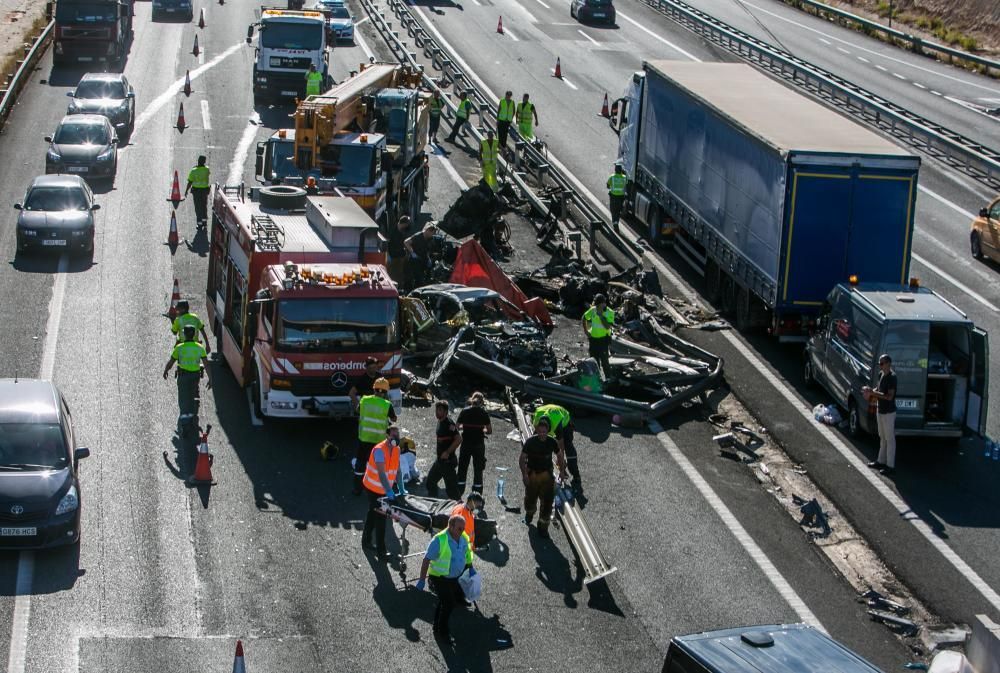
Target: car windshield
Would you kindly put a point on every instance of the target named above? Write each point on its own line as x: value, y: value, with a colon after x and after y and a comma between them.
x: 30, y: 447
x: 81, y: 134
x: 100, y: 88
x: 598, y: 3
x: 337, y: 325
x: 86, y: 12
x: 338, y: 12
x: 291, y: 36
x: 56, y: 199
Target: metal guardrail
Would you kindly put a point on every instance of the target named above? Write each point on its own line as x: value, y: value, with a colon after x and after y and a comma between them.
x: 960, y: 152
x: 17, y: 81
x: 917, y: 44
x: 527, y: 156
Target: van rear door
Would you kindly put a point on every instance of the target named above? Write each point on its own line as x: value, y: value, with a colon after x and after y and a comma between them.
x: 907, y: 342
x: 979, y: 383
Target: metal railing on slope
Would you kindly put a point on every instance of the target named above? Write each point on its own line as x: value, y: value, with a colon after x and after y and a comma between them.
x: 13, y: 87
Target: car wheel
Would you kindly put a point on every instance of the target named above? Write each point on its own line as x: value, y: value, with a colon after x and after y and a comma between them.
x: 853, y: 419
x: 808, y: 374
x: 976, y: 245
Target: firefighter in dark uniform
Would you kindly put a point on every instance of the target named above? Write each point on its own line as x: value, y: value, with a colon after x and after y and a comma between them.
x: 444, y: 466
x: 475, y: 424
x: 562, y: 430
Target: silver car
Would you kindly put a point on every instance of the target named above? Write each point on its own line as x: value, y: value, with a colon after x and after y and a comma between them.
x: 83, y: 144
x: 57, y: 213
x: 108, y: 94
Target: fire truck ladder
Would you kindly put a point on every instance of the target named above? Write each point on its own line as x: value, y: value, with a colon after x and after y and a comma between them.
x: 267, y: 233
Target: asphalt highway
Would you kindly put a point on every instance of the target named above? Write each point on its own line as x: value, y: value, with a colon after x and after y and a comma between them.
x: 165, y: 577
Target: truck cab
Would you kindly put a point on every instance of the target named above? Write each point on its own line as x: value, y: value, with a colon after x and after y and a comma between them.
x: 288, y: 42
x: 984, y: 239
x: 784, y: 648
x: 92, y: 31
x: 941, y: 359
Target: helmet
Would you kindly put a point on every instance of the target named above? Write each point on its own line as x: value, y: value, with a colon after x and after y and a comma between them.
x: 183, y: 306
x: 190, y: 332
x: 381, y: 383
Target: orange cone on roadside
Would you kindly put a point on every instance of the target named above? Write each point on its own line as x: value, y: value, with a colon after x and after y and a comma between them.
x: 201, y: 18
x: 239, y: 666
x: 558, y: 72
x: 203, y: 476
x: 180, y: 118
x: 604, y: 108
x: 172, y: 239
x: 187, y: 82
x: 500, y: 25
x: 175, y: 297
x: 195, y: 51
x: 175, y: 190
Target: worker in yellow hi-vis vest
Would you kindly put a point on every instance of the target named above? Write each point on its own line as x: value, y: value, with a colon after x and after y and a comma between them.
x: 616, y: 192
x: 526, y: 112
x: 488, y: 150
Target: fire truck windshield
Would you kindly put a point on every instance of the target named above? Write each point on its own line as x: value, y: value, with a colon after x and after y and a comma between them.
x: 336, y: 325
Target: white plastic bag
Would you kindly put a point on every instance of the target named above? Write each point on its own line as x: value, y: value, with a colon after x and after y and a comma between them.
x: 471, y: 586
x: 408, y: 466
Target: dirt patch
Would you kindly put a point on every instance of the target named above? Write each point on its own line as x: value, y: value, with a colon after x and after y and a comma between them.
x: 16, y: 20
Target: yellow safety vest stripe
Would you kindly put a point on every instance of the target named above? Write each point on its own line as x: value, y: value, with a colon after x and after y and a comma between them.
x: 505, y: 110
x: 441, y: 566
x: 490, y: 151
x: 597, y: 330
x: 616, y: 184
x: 198, y: 177
x: 189, y: 355
x: 373, y: 418
x: 464, y: 107
x: 524, y: 111
x: 435, y: 107
x: 558, y: 416
x: 181, y: 321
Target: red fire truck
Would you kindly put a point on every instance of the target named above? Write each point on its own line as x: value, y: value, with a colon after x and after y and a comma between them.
x: 299, y: 298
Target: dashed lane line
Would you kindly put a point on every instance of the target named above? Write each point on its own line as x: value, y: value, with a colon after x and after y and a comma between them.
x: 206, y: 116
x: 842, y: 50
x: 449, y: 167
x: 543, y: 4
x: 957, y: 283
x: 564, y: 81
x: 863, y: 59
x: 882, y: 68
x: 658, y: 37
x: 235, y: 175
x: 506, y: 31
x: 588, y: 37
x: 898, y: 76
x: 919, y: 85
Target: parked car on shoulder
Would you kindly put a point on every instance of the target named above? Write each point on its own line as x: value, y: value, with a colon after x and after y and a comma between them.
x: 39, y: 467
x: 108, y: 94
x: 83, y: 144
x: 592, y: 11
x: 984, y: 239
x: 57, y: 213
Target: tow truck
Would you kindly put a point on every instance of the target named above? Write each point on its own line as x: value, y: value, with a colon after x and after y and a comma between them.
x: 289, y: 41
x: 298, y: 298
x: 364, y: 138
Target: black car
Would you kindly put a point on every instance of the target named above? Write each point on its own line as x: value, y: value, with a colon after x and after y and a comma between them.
x: 39, y: 467
x: 84, y: 144
x: 57, y: 213
x: 594, y: 11
x: 173, y: 8
x: 108, y: 94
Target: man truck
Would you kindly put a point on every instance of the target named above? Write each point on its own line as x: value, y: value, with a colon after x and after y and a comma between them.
x: 772, y: 196
x: 299, y: 297
x: 288, y: 42
x: 92, y: 31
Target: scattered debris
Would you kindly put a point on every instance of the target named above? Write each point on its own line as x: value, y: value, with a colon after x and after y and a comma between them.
x: 828, y: 414
x: 899, y: 624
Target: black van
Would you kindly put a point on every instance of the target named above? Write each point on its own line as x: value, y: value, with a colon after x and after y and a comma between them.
x: 940, y: 358
x: 784, y: 648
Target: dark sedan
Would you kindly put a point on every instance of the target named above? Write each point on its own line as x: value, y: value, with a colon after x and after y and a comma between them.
x: 593, y: 11
x: 108, y: 94
x: 84, y: 145
x: 57, y: 213
x: 39, y: 467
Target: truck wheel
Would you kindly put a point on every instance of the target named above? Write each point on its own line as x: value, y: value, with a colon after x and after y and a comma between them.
x: 808, y: 374
x: 282, y: 197
x: 853, y: 419
x: 976, y: 245
x: 713, y: 282
x: 743, y: 318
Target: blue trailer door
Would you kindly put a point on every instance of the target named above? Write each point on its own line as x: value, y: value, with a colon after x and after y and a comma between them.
x: 881, y: 223
x: 815, y: 249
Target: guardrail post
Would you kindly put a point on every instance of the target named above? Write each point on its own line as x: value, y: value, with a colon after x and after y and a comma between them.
x: 594, y: 225
x: 576, y: 238
x: 543, y: 172
x: 563, y: 205
x: 518, y: 148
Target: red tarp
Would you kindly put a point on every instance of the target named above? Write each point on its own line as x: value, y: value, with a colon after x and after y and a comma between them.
x: 475, y: 268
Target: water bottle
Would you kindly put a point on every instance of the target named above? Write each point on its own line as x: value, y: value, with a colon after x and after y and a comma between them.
x: 500, y: 482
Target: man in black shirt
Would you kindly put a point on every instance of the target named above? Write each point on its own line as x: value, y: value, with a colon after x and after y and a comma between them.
x: 448, y: 440
x: 364, y: 385
x: 475, y: 424
x: 536, y: 472
x: 418, y: 247
x: 885, y: 396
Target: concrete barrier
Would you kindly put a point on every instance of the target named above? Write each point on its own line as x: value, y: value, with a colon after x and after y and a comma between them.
x: 983, y: 650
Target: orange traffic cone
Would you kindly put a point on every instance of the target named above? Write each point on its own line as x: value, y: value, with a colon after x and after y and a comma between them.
x: 238, y: 664
x: 222, y: 2
x: 175, y: 297
x: 201, y: 18
x: 172, y: 239
x: 187, y: 82
x: 203, y: 476
x: 500, y: 25
x: 175, y: 190
x: 604, y: 108
x: 558, y: 71
x: 195, y: 51
x: 180, y: 118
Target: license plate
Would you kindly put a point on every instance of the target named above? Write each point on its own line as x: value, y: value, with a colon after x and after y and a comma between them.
x: 85, y: 58
x: 598, y: 15
x: 18, y: 532
x: 289, y: 93
x: 77, y: 169
x: 906, y: 404
x: 169, y: 10
x: 53, y: 241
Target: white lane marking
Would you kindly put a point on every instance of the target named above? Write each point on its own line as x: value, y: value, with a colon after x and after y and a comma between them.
x: 506, y: 31
x: 936, y: 73
x: 824, y: 41
x: 236, y: 166
x: 957, y: 208
x: 22, y: 609
x: 936, y: 93
x: 841, y: 49
x: 898, y: 76
x: 957, y: 283
x: 531, y: 17
x: 863, y: 59
x: 206, y: 116
x: 360, y: 21
x: 477, y: 3
x: 882, y: 68
x: 918, y: 85
x: 543, y: 4
x: 360, y: 39
x: 588, y: 36
x: 797, y: 403
x: 565, y: 81
x: 661, y: 39
x: 449, y: 168
x: 55, y: 319
x: 737, y: 530
x: 171, y: 91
